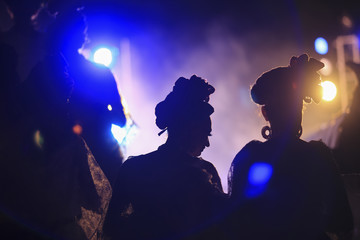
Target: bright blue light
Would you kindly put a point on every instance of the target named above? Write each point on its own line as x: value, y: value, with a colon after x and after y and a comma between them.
x: 119, y: 133
x: 124, y: 135
x: 259, y: 174
x: 258, y: 177
x: 103, y: 56
x: 321, y: 46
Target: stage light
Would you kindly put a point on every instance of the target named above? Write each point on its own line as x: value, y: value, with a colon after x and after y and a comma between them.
x: 329, y: 90
x: 124, y: 135
x: 109, y: 107
x: 321, y: 46
x: 103, y: 56
x: 119, y: 133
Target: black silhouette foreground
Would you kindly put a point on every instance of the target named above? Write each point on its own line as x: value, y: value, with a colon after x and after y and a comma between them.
x: 286, y: 188
x: 347, y: 148
x: 171, y: 193
x: 51, y: 185
x: 95, y: 100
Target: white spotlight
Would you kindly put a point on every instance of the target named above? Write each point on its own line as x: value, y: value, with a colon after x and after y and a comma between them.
x: 329, y: 90
x: 103, y: 56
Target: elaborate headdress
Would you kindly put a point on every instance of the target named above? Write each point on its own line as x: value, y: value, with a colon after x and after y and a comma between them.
x: 299, y: 79
x: 188, y: 100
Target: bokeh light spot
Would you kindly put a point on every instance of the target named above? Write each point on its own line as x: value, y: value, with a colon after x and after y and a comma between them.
x: 77, y: 129
x: 38, y: 139
x: 329, y: 90
x: 103, y: 56
x: 346, y: 21
x: 259, y: 174
x: 109, y: 107
x: 321, y: 45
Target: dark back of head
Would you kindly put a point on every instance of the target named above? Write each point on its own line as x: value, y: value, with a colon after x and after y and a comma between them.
x: 282, y: 90
x: 47, y: 89
x: 187, y: 103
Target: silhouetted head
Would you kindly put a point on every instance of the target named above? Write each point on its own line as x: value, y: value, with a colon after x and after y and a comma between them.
x: 281, y: 92
x: 68, y: 32
x: 47, y: 90
x: 185, y: 114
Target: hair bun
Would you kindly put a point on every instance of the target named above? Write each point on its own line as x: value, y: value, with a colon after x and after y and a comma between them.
x: 188, y: 97
x: 300, y: 76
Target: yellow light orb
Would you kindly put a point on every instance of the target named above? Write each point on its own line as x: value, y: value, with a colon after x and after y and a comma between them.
x: 109, y: 107
x: 329, y: 91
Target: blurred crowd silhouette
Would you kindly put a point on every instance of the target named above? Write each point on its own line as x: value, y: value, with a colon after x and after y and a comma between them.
x: 63, y: 175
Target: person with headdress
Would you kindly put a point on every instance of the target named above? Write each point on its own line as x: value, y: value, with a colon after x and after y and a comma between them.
x: 286, y: 188
x: 170, y: 193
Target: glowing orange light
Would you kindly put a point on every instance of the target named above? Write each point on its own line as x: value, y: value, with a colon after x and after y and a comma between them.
x: 77, y: 129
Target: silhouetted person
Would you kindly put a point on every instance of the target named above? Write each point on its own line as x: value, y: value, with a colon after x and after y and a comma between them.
x: 286, y: 188
x: 170, y: 193
x: 95, y: 102
x: 347, y: 148
x: 10, y: 228
x: 50, y: 182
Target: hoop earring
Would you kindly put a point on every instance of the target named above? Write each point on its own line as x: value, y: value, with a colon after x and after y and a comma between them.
x: 299, y: 133
x: 266, y: 132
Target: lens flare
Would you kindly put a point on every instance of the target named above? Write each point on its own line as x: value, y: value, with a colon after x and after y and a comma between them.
x: 103, y: 56
x: 259, y: 173
x: 329, y: 91
x: 258, y: 177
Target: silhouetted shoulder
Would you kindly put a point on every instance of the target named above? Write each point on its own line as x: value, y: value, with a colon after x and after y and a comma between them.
x: 207, y: 165
x: 320, y: 147
x: 250, y: 148
x: 322, y: 154
x: 212, y: 174
x: 134, y: 161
